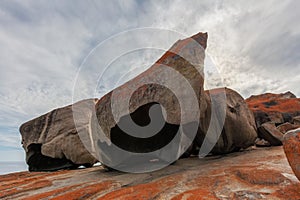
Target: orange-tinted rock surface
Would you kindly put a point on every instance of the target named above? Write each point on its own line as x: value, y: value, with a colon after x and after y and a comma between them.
x: 255, y: 174
x: 291, y: 145
x: 277, y: 108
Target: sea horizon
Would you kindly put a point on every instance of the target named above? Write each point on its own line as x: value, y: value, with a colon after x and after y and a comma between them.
x: 8, y: 167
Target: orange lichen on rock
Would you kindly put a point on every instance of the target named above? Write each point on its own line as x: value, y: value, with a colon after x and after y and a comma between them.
x: 262, y: 173
x: 278, y: 105
x: 51, y: 193
x: 260, y: 176
x: 269, y: 102
x: 143, y: 191
x: 26, y: 186
x: 86, y: 191
x: 291, y: 192
x: 197, y: 194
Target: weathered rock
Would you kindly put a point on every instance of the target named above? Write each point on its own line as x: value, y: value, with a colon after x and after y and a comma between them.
x: 296, y: 120
x: 239, y: 130
x: 291, y: 145
x: 269, y: 132
x: 261, y: 173
x: 51, y: 142
x: 276, y: 108
x: 287, y: 127
x: 175, y: 82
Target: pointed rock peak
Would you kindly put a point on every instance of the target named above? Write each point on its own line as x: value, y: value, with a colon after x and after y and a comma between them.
x: 201, y: 38
x: 288, y: 95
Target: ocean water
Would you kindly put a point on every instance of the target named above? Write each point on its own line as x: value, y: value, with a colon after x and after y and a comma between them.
x: 12, y: 166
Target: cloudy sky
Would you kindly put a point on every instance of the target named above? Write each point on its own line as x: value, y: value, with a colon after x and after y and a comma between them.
x: 254, y: 45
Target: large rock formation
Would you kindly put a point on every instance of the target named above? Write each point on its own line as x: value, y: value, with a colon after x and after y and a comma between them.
x: 174, y: 82
x: 239, y: 129
x: 291, y: 145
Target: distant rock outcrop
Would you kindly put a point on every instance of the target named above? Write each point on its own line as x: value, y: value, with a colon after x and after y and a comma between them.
x: 276, y: 108
x: 275, y: 114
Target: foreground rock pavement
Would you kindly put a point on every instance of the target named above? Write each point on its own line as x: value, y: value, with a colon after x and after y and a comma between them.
x: 262, y: 173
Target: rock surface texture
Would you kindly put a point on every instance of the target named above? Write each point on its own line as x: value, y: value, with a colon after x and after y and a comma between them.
x: 51, y: 142
x: 257, y: 174
x: 291, y: 145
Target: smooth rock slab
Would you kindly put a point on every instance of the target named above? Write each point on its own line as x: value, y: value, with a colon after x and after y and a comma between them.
x: 291, y: 145
x: 260, y: 173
